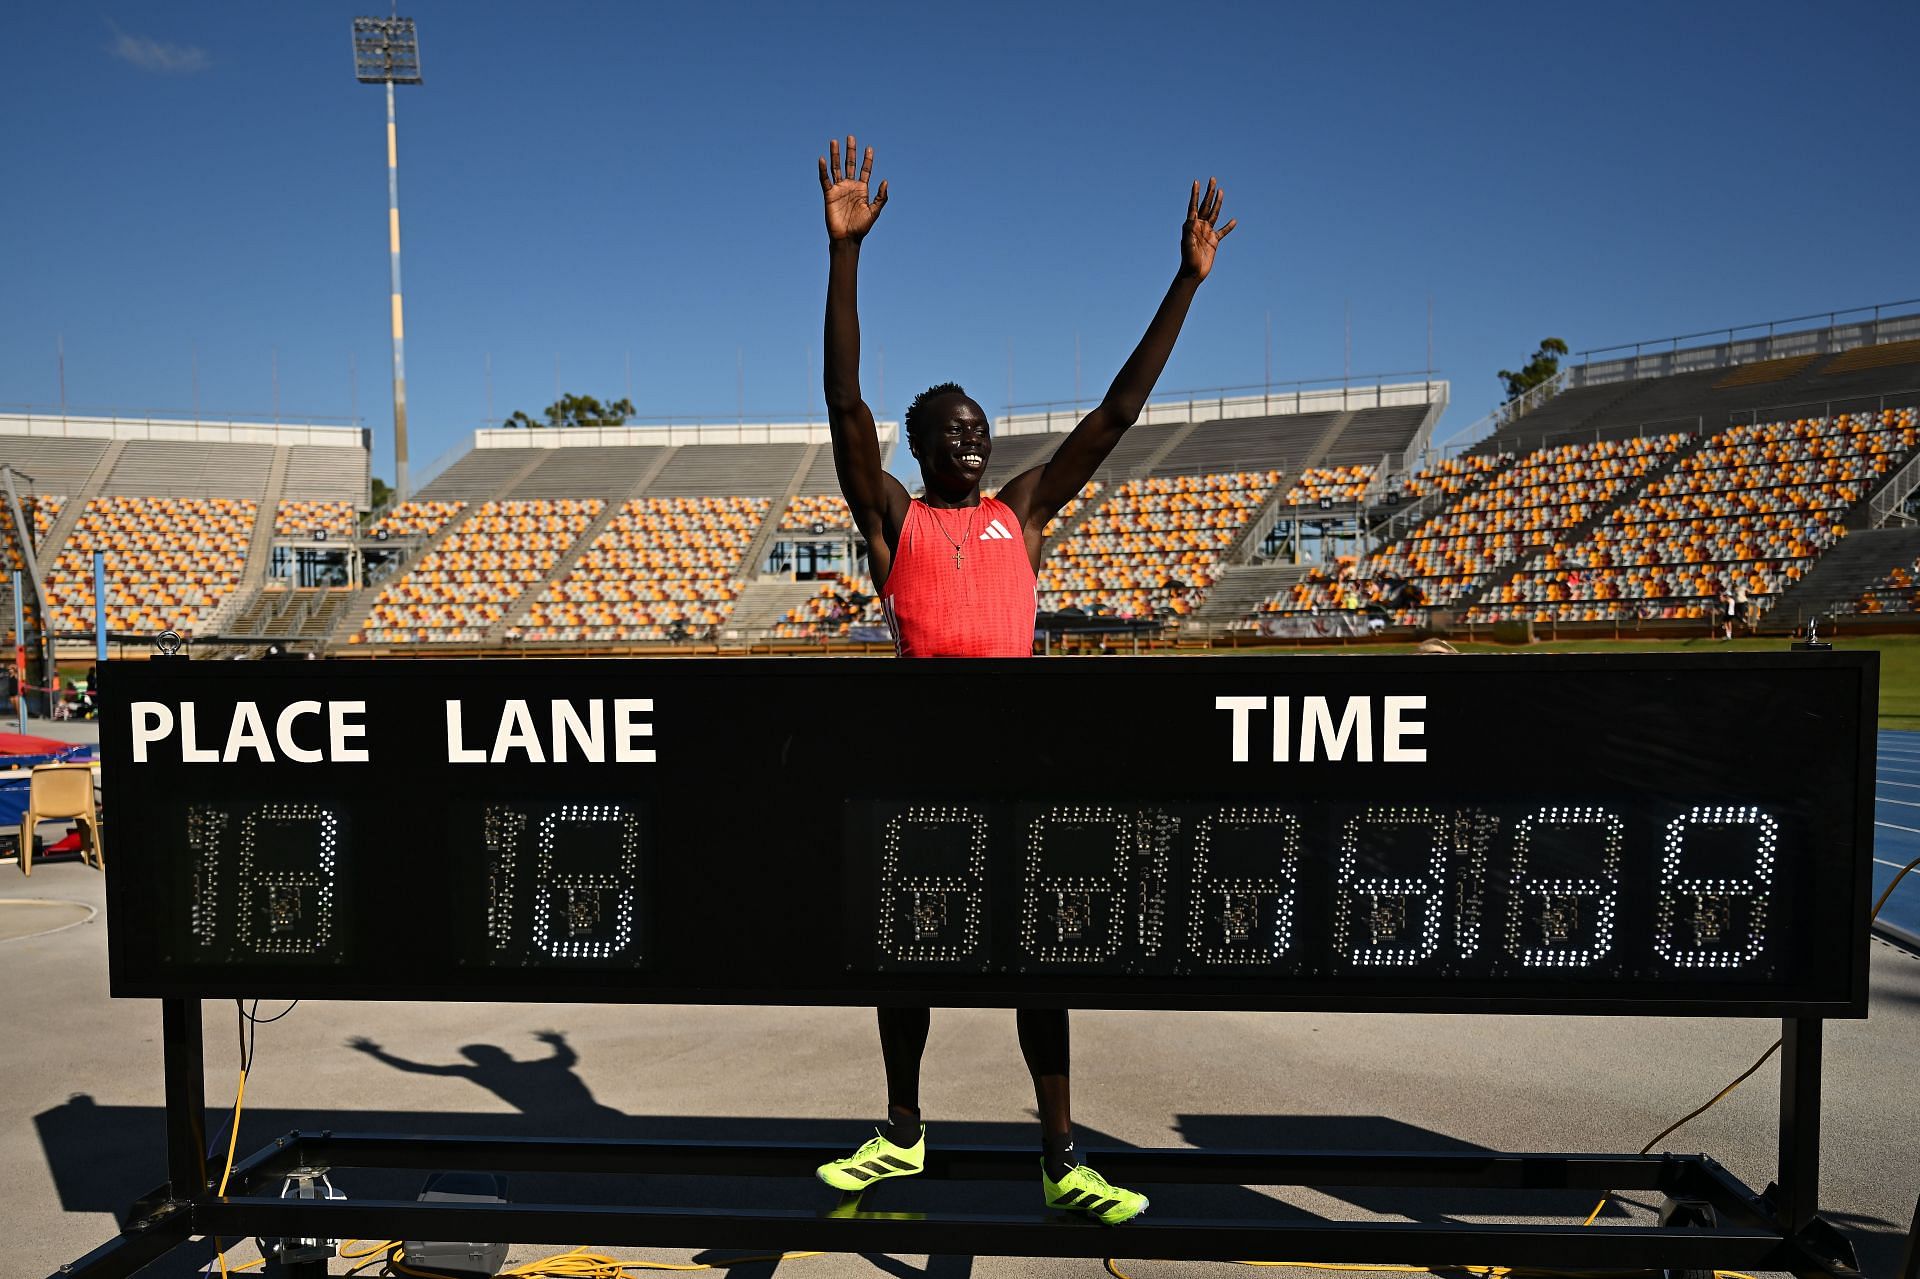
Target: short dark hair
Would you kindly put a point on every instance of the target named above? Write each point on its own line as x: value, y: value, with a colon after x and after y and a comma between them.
x: 917, y: 411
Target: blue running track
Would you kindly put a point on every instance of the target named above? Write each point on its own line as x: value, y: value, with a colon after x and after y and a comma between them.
x: 1896, y: 828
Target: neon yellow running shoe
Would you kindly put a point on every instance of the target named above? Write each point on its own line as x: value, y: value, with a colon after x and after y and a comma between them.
x: 1084, y: 1190
x: 875, y: 1161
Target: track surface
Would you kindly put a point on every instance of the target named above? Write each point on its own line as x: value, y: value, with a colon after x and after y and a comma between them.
x: 1896, y: 823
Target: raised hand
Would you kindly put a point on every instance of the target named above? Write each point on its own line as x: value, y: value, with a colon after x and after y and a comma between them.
x: 1199, y: 238
x: 360, y: 1043
x: 849, y: 215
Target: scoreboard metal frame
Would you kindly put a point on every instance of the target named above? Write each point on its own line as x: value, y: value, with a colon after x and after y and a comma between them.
x: 1051, y: 860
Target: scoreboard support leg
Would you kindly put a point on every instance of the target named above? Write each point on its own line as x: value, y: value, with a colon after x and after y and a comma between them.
x: 1798, y: 1188
x: 183, y: 1054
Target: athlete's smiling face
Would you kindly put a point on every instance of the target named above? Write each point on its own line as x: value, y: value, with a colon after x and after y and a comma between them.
x: 954, y: 446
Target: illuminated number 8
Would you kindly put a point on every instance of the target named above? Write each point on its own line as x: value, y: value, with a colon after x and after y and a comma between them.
x: 916, y: 903
x: 1554, y: 904
x: 1385, y: 921
x: 1081, y: 912
x: 1707, y: 922
x: 287, y: 912
x: 577, y: 900
x: 1226, y: 923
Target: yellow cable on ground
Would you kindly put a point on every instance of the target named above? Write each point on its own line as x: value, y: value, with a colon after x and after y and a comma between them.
x: 239, y: 1096
x: 583, y: 1263
x: 1691, y: 1115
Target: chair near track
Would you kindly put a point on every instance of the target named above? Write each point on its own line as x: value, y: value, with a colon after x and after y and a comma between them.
x: 62, y: 791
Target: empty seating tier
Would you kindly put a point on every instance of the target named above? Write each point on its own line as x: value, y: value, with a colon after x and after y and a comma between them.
x: 1345, y: 485
x: 323, y: 473
x: 417, y: 519
x: 698, y: 470
x: 57, y: 465
x: 663, y: 569
x: 826, y: 512
x: 303, y: 518
x: 1894, y: 593
x: 181, y: 468
x: 1494, y: 522
x: 462, y: 588
x: 1749, y: 511
x: 1153, y: 545
x: 171, y: 561
x: 841, y: 604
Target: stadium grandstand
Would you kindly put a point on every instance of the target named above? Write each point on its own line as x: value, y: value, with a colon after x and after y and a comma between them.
x: 1644, y: 488
x: 205, y: 528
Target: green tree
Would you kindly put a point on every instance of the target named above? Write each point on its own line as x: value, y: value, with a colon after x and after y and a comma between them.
x: 575, y: 410
x: 1544, y: 364
x: 382, y: 492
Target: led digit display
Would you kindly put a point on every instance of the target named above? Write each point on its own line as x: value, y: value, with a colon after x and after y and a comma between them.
x: 563, y: 883
x: 1565, y: 887
x: 1653, y: 834
x: 933, y: 880
x: 1246, y: 866
x: 265, y: 883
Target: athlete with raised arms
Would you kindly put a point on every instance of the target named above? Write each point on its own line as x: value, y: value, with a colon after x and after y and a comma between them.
x: 955, y: 572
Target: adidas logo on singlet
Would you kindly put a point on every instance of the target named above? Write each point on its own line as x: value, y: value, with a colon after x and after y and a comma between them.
x: 995, y: 531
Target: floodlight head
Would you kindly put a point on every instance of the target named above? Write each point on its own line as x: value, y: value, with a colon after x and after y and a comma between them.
x: 385, y: 51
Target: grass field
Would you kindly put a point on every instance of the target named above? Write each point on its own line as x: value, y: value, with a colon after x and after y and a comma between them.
x: 1899, y: 660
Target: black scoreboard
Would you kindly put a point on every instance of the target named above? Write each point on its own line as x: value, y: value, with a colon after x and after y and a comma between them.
x: 1526, y: 833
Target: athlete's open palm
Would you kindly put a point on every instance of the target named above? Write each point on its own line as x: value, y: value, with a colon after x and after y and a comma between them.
x: 849, y: 214
x: 1199, y: 238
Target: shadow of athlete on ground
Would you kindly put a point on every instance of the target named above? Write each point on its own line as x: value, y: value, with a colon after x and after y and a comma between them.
x: 545, y: 1086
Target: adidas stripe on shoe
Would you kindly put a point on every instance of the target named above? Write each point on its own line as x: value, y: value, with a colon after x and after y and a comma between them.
x: 876, y: 1160
x: 1084, y: 1190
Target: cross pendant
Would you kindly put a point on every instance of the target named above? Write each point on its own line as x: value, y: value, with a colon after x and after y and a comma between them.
x: 957, y: 557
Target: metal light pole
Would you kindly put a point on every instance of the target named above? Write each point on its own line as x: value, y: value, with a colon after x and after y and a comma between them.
x: 386, y: 51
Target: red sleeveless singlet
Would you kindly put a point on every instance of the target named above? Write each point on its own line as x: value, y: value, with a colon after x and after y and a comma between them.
x: 984, y: 606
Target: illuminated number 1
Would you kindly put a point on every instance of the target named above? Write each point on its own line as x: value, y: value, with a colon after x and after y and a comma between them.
x: 206, y: 832
x: 585, y: 911
x: 933, y: 876
x: 1715, y: 920
x: 286, y: 901
x: 1560, y: 920
x: 1392, y: 920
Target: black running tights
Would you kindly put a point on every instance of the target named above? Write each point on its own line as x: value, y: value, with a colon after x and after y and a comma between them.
x: 1044, y: 1042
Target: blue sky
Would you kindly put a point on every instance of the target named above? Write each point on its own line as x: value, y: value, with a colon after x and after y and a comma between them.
x: 206, y: 182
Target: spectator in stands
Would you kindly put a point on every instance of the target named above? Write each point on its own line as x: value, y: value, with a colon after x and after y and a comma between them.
x: 957, y: 573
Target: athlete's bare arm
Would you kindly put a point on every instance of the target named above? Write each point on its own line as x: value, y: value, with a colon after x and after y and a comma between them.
x: 877, y: 501
x: 1036, y: 496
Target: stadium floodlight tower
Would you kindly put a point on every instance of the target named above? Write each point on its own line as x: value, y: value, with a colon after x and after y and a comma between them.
x: 386, y: 51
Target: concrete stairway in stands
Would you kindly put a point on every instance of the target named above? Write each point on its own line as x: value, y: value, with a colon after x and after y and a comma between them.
x: 253, y: 577
x: 1853, y: 564
x: 69, y: 516
x: 1175, y: 438
x: 523, y: 603
x: 349, y: 618
x: 1241, y: 587
x: 1328, y: 437
x: 1578, y: 533
x: 762, y: 544
x: 764, y: 604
